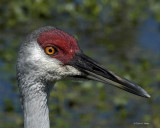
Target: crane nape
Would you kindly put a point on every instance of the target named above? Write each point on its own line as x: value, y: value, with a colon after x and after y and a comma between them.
x: 48, y: 55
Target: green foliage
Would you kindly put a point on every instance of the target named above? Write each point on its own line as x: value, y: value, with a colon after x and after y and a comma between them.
x: 8, y: 106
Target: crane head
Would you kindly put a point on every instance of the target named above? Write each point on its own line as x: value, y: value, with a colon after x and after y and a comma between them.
x: 52, y: 55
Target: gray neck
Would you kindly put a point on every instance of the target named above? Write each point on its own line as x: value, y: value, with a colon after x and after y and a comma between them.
x: 34, y: 100
x: 36, y: 113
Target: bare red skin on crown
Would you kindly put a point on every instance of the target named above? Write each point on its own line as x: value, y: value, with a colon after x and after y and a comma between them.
x: 65, y: 44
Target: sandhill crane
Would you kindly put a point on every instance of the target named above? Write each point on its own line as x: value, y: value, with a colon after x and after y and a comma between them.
x: 48, y: 55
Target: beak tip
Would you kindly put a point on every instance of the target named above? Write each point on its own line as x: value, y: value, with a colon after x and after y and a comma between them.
x: 144, y: 93
x: 147, y: 95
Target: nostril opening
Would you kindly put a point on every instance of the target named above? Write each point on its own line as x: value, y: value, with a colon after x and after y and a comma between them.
x: 97, y: 69
x: 103, y: 72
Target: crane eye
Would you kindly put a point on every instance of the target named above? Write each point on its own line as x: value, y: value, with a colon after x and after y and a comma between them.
x: 50, y: 50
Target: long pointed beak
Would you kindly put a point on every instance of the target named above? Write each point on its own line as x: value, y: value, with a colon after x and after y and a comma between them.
x: 91, y: 69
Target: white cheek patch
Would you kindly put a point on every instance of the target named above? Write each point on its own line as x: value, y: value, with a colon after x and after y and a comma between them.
x: 41, y: 60
x: 38, y: 54
x: 70, y: 70
x: 51, y: 68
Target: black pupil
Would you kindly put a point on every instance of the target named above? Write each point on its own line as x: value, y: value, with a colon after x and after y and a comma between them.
x: 50, y: 50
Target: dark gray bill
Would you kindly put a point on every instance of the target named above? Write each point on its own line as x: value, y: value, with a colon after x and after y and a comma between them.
x: 93, y: 70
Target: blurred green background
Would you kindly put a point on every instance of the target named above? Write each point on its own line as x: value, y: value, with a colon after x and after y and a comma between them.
x: 124, y: 35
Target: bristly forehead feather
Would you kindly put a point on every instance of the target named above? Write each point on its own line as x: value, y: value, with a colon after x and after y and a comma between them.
x: 65, y: 42
x: 33, y: 36
x: 56, y: 34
